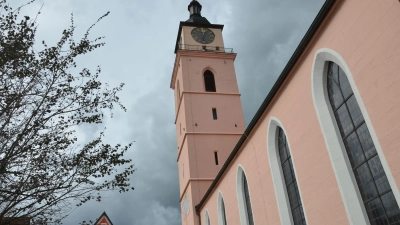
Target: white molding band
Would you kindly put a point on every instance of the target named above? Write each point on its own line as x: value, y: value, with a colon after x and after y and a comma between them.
x: 349, y: 191
x: 277, y: 173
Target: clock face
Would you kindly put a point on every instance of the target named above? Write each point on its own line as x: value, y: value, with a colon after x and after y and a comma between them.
x: 203, y: 35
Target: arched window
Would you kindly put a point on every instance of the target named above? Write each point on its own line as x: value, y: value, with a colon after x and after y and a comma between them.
x: 209, y: 81
x: 247, y: 201
x: 221, y: 210
x: 290, y: 179
x: 207, y: 219
x: 245, y: 210
x: 375, y: 190
x: 283, y: 169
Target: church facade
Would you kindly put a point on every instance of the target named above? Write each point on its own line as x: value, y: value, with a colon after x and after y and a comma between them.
x: 324, y: 147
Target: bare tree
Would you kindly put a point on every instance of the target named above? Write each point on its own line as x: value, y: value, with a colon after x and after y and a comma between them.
x: 44, y: 173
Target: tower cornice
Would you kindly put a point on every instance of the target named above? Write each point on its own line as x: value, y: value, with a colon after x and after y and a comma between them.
x: 199, y: 54
x: 201, y: 133
x: 200, y: 93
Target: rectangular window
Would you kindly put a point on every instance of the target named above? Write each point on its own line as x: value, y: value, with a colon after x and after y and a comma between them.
x: 214, y: 112
x: 216, y: 157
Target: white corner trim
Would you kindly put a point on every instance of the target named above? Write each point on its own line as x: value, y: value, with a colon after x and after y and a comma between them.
x: 351, y: 197
x: 277, y: 173
x: 240, y: 196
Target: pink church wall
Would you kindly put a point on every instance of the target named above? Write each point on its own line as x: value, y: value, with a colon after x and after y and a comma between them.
x: 200, y: 112
x: 223, y: 69
x: 366, y: 35
x: 184, y: 170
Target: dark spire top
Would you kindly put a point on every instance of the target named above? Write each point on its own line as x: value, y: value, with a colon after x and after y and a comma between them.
x: 195, y: 13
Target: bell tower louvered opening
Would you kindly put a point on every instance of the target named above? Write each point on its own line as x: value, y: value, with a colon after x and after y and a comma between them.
x: 209, y: 81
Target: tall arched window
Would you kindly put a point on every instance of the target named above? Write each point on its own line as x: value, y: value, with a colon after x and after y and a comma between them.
x: 373, y: 185
x: 243, y: 194
x: 221, y: 210
x: 296, y: 206
x: 223, y: 213
x: 247, y: 200
x: 207, y: 220
x: 276, y: 143
x: 209, y: 81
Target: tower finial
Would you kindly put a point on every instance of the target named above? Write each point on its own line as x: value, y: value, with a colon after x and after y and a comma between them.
x: 195, y: 13
x: 194, y: 8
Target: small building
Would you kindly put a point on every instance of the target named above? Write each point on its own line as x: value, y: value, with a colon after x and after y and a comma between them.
x: 103, y: 220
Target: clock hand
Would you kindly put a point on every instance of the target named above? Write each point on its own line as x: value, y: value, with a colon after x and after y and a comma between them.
x: 202, y: 35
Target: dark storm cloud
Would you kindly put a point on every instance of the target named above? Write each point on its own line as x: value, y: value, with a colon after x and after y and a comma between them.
x: 265, y: 35
x: 140, y: 37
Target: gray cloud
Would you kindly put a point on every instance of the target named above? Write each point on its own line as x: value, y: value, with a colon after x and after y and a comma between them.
x: 140, y: 38
x: 265, y: 36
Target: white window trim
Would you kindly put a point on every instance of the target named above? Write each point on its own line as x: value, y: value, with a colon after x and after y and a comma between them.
x: 337, y: 153
x: 219, y: 206
x: 240, y: 195
x: 278, y: 179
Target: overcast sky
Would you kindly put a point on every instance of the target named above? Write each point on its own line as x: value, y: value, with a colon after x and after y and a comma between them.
x: 139, y: 51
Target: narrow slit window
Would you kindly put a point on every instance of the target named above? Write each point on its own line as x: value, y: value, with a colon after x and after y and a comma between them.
x: 209, y: 81
x: 293, y: 193
x: 214, y: 112
x: 249, y: 211
x: 216, y: 157
x: 222, y: 212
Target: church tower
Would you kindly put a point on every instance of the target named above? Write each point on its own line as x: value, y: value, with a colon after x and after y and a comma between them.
x: 209, y: 117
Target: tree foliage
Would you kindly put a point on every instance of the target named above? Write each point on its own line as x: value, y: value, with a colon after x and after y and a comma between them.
x: 44, y: 172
